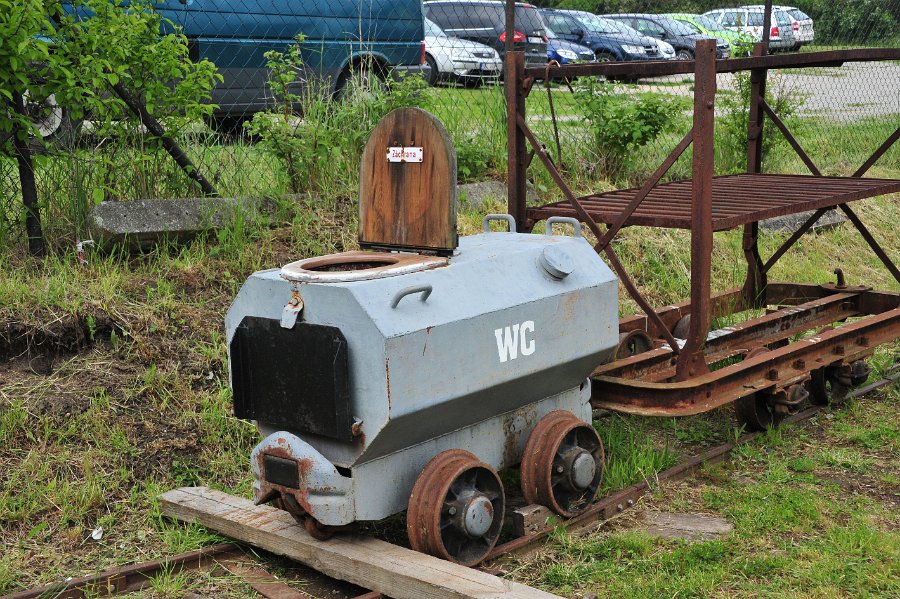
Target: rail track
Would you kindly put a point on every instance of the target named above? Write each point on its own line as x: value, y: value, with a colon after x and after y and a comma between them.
x: 241, y: 562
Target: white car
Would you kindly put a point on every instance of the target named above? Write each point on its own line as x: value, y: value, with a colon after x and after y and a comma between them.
x: 453, y: 59
x: 749, y: 20
x: 804, y: 33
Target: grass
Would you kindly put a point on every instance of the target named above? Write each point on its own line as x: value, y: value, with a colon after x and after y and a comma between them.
x: 802, y: 526
x: 134, y: 400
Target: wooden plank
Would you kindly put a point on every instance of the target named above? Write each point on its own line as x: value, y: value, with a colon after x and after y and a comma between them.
x: 405, y: 204
x: 371, y: 563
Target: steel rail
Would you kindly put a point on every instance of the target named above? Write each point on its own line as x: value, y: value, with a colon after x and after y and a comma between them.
x: 620, y: 501
x: 135, y: 577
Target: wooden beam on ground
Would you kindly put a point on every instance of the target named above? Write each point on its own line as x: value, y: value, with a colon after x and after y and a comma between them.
x: 370, y: 563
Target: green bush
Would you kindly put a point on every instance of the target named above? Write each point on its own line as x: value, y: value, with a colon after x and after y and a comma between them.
x: 79, y: 60
x: 621, y: 123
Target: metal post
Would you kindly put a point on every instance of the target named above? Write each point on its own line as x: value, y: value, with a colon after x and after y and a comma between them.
x: 755, y: 283
x: 37, y: 246
x: 691, y: 361
x: 515, y: 107
x: 510, y: 24
x: 767, y: 23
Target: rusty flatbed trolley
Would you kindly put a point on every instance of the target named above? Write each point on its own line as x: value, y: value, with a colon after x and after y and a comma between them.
x: 668, y: 362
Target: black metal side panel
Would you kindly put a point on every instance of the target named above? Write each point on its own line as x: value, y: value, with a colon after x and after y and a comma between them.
x: 296, y: 379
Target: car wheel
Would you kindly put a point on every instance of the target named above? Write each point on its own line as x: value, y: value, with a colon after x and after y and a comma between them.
x: 684, y: 55
x: 364, y: 81
x: 55, y: 127
x: 433, y: 76
x: 230, y: 127
x: 603, y: 56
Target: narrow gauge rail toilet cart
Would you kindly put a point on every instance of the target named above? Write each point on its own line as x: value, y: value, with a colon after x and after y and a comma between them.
x: 402, y: 376
x: 813, y: 339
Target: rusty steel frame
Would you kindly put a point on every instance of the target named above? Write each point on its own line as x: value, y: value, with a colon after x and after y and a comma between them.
x: 675, y: 379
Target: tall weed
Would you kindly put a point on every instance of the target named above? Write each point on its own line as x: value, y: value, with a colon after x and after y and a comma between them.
x: 318, y: 139
x: 734, y: 113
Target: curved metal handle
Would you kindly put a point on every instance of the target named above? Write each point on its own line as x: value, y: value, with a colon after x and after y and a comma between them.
x: 568, y: 220
x: 425, y: 290
x: 486, y: 223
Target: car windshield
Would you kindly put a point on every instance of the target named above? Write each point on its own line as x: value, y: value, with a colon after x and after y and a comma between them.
x: 596, y: 24
x: 551, y: 35
x: 679, y: 27
x: 798, y: 14
x: 621, y: 28
x: 707, y: 23
x: 432, y: 29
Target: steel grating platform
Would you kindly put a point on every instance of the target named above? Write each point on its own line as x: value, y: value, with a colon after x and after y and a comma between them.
x: 736, y: 200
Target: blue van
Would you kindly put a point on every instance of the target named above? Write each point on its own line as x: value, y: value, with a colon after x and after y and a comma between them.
x: 342, y: 36
x: 386, y: 35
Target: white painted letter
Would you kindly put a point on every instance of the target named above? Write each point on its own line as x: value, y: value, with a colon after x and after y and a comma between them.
x: 527, y: 346
x: 507, y: 342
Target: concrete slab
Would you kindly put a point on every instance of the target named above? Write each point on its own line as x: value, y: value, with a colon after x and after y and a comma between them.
x: 792, y: 222
x: 141, y: 224
x: 691, y: 527
x: 476, y: 195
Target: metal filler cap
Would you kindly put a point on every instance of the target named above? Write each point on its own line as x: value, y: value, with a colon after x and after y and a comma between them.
x: 557, y: 262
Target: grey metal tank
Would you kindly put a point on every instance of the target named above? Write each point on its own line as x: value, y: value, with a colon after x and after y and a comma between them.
x: 363, y: 366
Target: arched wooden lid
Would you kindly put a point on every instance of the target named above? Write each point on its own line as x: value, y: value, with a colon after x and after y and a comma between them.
x: 407, y: 185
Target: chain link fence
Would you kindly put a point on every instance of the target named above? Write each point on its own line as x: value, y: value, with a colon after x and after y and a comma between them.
x: 303, y: 82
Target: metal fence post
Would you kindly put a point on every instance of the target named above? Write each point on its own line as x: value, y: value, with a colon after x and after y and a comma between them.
x: 691, y: 361
x: 516, y: 150
x: 755, y: 283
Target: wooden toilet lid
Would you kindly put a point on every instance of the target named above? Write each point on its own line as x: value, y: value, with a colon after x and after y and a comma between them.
x: 407, y: 185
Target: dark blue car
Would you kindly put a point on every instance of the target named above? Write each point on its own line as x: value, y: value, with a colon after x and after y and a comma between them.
x: 565, y: 52
x: 604, y: 40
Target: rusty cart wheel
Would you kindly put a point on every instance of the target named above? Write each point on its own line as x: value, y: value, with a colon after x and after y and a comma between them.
x: 316, y: 529
x: 632, y: 343
x: 756, y: 412
x: 456, y: 508
x: 832, y: 384
x: 562, y: 465
x: 824, y: 389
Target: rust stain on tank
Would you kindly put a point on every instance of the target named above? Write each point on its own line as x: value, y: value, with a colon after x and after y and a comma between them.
x: 569, y: 307
x: 514, y: 426
x: 387, y: 374
x: 427, y: 333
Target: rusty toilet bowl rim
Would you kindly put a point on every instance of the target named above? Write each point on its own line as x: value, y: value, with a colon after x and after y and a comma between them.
x: 322, y: 269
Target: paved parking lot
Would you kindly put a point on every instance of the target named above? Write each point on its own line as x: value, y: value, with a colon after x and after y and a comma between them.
x: 847, y: 93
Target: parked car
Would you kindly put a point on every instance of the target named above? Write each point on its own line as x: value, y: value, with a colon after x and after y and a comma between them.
x: 565, y: 52
x: 804, y: 32
x: 666, y: 50
x: 453, y: 59
x: 603, y: 38
x: 383, y: 37
x: 485, y: 22
x: 750, y: 21
x: 681, y: 35
x: 711, y: 28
